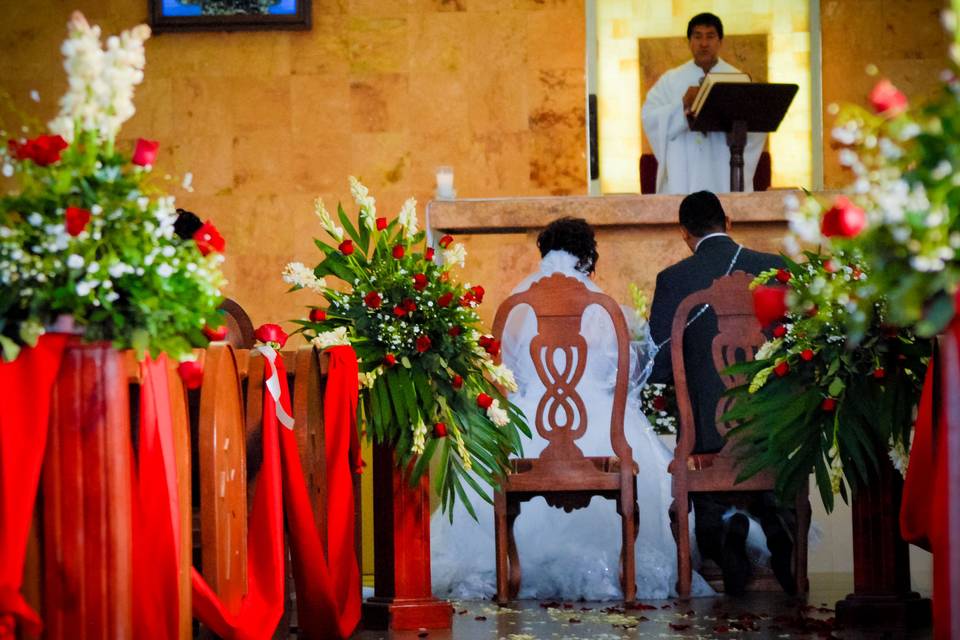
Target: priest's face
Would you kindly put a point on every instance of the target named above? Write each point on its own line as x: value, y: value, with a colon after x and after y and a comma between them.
x: 705, y: 46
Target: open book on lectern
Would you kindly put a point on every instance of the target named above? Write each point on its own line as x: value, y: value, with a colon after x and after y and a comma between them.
x: 709, y: 81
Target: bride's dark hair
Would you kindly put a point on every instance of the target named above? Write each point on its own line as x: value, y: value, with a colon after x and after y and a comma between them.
x: 574, y: 236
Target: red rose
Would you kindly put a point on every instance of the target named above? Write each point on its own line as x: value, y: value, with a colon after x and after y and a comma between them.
x: 423, y: 344
x: 445, y: 299
x: 457, y: 382
x: 830, y: 266
x: 887, y: 100
x: 484, y: 401
x: 317, y: 315
x: 493, y: 348
x: 769, y: 303
x: 454, y: 331
x: 346, y: 247
x: 76, y: 219
x: 372, y: 300
x: 828, y: 404
x: 483, y: 341
x: 208, y: 239
x: 268, y: 333
x: 43, y: 150
x: 440, y: 430
x: 409, y: 305
x: 389, y: 359
x: 145, y: 153
x: 843, y: 219
x: 477, y: 293
x: 812, y: 311
x: 215, y: 335
x: 879, y: 373
x: 659, y: 403
x: 782, y: 369
x: 779, y: 331
x: 856, y: 274
x: 419, y: 282
x: 191, y: 372
x: 783, y: 276
x: 428, y: 255
x: 398, y: 251
x: 381, y: 224
x: 445, y: 241
x: 399, y: 311
x: 807, y: 354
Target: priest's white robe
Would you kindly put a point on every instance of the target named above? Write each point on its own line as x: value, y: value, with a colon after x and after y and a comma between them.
x: 687, y: 160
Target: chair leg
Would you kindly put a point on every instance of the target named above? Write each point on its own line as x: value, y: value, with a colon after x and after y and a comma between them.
x: 800, y: 541
x: 629, y: 513
x: 681, y: 506
x: 513, y: 556
x: 505, y: 511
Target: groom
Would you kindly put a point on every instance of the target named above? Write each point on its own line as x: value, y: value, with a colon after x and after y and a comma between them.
x: 720, y: 537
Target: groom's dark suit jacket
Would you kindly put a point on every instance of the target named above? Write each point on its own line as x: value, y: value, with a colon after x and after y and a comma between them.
x: 675, y: 283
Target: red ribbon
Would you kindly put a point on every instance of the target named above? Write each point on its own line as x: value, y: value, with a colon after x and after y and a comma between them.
x: 24, y: 418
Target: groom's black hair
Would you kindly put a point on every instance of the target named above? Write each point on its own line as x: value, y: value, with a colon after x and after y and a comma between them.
x: 573, y: 235
x: 701, y: 213
x: 705, y: 20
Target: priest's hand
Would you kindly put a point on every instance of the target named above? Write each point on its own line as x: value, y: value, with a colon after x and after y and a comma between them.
x: 688, y: 98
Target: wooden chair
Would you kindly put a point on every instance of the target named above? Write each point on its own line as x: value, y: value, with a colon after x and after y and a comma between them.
x: 739, y: 337
x: 562, y: 474
x: 239, y: 326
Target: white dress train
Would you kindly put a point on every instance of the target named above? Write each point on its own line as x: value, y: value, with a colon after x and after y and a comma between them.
x: 569, y: 555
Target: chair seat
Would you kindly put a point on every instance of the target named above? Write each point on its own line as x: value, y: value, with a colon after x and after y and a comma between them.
x: 717, y: 472
x: 597, y: 473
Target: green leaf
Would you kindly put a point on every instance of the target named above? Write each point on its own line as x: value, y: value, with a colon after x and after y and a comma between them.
x: 348, y: 226
x: 836, y: 387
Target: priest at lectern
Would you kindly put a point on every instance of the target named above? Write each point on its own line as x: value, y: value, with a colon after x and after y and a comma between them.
x: 689, y: 161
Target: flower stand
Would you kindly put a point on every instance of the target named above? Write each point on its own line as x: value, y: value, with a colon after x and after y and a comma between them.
x: 402, y: 599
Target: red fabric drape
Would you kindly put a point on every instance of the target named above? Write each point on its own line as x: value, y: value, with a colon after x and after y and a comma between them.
x: 328, y: 583
x: 24, y: 414
x: 263, y: 605
x: 925, y: 512
x: 156, y: 521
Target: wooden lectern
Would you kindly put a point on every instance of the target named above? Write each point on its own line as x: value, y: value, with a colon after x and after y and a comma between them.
x: 738, y: 108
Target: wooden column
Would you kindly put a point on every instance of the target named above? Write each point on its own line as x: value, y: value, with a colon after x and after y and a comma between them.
x: 86, y: 488
x: 403, y: 598
x: 882, y: 597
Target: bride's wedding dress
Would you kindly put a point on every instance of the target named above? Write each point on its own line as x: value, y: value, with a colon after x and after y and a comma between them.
x: 569, y: 555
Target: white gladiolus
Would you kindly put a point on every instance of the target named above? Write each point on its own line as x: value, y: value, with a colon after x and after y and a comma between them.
x: 366, y: 202
x: 408, y: 217
x: 502, y: 375
x: 333, y: 338
x: 455, y: 254
x: 296, y: 273
x: 419, y: 436
x: 497, y: 414
x: 326, y: 221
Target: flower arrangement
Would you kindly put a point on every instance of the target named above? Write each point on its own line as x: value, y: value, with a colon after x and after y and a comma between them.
x: 658, y: 402
x: 901, y: 212
x: 815, y: 402
x: 86, y: 236
x: 429, y: 385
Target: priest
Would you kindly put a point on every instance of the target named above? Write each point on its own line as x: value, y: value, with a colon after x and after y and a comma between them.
x: 687, y: 160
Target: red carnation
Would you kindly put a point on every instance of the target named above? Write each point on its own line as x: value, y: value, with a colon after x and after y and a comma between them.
x: 445, y: 241
x: 269, y: 332
x: 445, y: 299
x: 346, y: 247
x: 428, y: 255
x: 372, y: 300
x: 389, y: 359
x: 659, y: 403
x: 76, y: 219
x: 398, y: 251
x: 423, y: 344
x: 215, y: 335
x: 317, y: 315
x: 208, y: 239
x: 43, y: 150
x: 191, y: 372
x: 477, y: 293
x: 769, y: 303
x: 879, y: 373
x: 419, y: 282
x: 828, y: 404
x: 399, y: 311
x: 887, y: 100
x: 807, y: 354
x: 454, y: 331
x: 484, y: 401
x: 145, y: 154
x: 440, y: 430
x: 779, y: 331
x: 381, y: 224
x: 783, y: 276
x: 782, y: 369
x: 457, y: 382
x: 843, y: 219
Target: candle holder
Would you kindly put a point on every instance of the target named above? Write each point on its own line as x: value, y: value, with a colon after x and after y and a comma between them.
x: 445, y: 190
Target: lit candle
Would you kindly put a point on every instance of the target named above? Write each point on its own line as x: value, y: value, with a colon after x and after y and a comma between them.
x: 445, y: 183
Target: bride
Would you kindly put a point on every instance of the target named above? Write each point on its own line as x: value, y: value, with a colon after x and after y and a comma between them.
x: 570, y: 555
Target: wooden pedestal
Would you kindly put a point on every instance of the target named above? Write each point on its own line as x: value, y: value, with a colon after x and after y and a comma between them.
x: 402, y: 599
x: 881, y: 564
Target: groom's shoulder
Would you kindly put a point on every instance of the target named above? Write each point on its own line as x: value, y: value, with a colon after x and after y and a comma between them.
x: 756, y: 261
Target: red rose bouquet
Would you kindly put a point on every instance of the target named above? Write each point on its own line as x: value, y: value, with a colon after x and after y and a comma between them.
x: 429, y: 385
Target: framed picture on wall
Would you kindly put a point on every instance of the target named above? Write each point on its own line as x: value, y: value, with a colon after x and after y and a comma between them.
x: 228, y: 15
